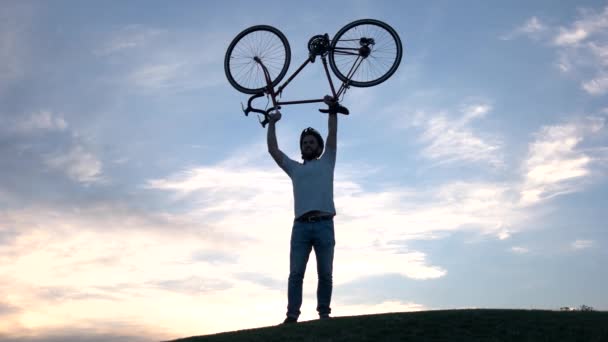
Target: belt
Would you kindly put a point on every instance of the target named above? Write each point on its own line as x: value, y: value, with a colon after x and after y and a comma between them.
x: 314, y: 218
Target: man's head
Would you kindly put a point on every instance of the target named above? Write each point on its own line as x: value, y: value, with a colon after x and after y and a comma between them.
x: 311, y: 144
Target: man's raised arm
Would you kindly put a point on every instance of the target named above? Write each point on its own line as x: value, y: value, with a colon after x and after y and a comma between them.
x: 271, y: 138
x: 332, y: 124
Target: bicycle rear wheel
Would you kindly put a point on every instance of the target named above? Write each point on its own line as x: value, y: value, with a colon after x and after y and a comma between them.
x: 365, y: 53
x: 268, y: 44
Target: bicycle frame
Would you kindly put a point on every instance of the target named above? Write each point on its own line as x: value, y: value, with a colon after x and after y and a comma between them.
x: 271, y: 92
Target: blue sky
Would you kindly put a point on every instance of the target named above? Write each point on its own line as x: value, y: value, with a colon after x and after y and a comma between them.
x: 138, y: 202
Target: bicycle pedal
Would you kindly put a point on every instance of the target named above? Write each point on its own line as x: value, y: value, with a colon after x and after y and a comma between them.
x: 244, y: 109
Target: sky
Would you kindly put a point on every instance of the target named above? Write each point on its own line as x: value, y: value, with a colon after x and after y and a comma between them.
x: 138, y: 203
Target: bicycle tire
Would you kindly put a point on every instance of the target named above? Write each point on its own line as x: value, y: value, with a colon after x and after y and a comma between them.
x: 382, y: 61
x: 265, y: 42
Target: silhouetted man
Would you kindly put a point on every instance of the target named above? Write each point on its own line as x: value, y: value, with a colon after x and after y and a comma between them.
x: 313, y: 226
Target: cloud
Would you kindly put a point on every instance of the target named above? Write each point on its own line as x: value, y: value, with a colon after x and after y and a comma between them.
x: 66, y: 260
x: 128, y: 37
x: 586, y: 45
x: 41, y: 121
x: 221, y: 241
x: 532, y: 28
x: 90, y: 334
x: 79, y: 164
x: 582, y: 244
x: 7, y: 309
x: 596, y: 86
x: 554, y: 164
x: 193, y: 285
x: 40, y: 150
x: 519, y: 250
x: 153, y: 59
x: 379, y: 223
x: 590, y: 22
x: 384, y: 307
x: 581, y: 46
x: 450, y: 140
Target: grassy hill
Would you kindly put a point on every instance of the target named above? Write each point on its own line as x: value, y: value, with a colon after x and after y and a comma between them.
x: 487, y: 325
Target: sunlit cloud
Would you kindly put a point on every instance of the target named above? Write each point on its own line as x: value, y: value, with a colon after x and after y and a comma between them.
x: 580, y: 46
x: 380, y: 308
x: 448, y: 136
x: 590, y: 22
x: 597, y: 86
x: 99, y: 245
x: 449, y: 140
x: 555, y: 164
x: 583, y: 45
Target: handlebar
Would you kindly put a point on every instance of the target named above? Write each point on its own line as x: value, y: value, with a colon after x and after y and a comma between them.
x: 333, y: 108
x: 250, y: 109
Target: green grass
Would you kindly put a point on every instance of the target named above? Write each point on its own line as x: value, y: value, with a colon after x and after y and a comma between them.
x: 487, y: 325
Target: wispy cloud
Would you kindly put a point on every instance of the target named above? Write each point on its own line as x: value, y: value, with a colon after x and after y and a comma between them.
x: 448, y: 138
x: 582, y: 244
x: 43, y: 120
x: 164, y: 60
x: 584, y: 44
x: 597, y: 86
x: 519, y: 250
x: 589, y: 23
x: 128, y: 37
x: 581, y: 46
x: 532, y: 28
x: 78, y: 164
x: 555, y: 163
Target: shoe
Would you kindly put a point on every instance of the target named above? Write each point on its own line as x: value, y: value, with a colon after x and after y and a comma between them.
x: 323, y: 317
x: 290, y: 320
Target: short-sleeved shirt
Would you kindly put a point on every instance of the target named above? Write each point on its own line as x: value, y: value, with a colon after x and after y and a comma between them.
x: 313, y: 183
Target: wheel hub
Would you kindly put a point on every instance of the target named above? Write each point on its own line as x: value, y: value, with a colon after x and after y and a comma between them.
x: 365, y: 51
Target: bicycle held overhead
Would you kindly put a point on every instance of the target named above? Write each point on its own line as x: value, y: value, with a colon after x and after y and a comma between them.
x: 363, y: 53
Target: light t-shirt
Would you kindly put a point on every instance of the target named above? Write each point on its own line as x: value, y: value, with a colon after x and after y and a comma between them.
x: 313, y: 183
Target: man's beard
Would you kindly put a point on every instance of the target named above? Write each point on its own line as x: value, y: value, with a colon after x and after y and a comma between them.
x: 309, y: 154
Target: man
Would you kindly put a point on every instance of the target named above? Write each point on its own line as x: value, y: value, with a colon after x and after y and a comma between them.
x: 314, y: 209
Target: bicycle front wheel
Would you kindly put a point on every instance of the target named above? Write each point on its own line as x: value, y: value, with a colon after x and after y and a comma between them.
x: 264, y: 42
x: 365, y: 53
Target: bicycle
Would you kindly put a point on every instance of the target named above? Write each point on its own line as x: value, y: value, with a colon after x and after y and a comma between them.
x: 363, y: 53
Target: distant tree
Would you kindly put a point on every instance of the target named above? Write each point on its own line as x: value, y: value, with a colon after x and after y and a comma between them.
x: 586, y: 308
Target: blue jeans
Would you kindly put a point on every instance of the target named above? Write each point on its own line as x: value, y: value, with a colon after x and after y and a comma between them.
x: 304, y: 237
